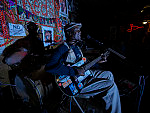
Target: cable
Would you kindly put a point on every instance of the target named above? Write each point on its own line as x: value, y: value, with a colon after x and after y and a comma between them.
x: 141, y: 87
x: 70, y: 104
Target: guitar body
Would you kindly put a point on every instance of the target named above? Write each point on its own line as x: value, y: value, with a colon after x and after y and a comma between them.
x: 67, y: 85
x: 72, y: 85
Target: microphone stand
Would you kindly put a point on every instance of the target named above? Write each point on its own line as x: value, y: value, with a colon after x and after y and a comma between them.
x: 110, y: 49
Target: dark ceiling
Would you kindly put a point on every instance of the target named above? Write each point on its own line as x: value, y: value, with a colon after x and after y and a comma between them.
x: 101, y: 14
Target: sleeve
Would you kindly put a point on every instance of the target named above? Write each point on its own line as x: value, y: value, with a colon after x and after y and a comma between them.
x: 12, y: 48
x: 55, y: 64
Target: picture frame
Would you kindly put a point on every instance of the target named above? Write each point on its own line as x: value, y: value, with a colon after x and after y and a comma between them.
x: 70, y: 5
x: 1, y: 47
x: 48, y: 36
x: 63, y: 8
x: 16, y: 30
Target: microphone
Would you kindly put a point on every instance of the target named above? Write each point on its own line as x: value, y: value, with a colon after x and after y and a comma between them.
x: 89, y: 37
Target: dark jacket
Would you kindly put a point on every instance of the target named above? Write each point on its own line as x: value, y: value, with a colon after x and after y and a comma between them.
x: 57, y: 63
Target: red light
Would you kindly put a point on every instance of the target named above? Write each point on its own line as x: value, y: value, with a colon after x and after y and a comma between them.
x: 80, y: 85
x: 84, y: 59
x: 59, y: 84
x: 133, y: 28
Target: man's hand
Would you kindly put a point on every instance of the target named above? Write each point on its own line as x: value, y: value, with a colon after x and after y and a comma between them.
x: 81, y: 71
x: 104, y: 59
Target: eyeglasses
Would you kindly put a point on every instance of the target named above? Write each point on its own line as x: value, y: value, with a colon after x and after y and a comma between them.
x: 77, y: 31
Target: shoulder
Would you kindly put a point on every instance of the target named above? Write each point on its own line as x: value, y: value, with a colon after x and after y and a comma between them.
x: 19, y: 41
x: 62, y: 47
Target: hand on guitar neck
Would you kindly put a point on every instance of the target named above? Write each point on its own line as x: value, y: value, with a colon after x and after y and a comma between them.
x: 104, y: 58
x: 80, y: 71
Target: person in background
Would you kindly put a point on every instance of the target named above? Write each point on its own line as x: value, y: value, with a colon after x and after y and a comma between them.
x: 32, y: 44
x: 69, y: 53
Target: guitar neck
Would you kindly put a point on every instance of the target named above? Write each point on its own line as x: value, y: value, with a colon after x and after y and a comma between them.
x: 89, y: 65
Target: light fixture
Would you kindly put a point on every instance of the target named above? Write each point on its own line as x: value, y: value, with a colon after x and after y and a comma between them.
x: 145, y: 22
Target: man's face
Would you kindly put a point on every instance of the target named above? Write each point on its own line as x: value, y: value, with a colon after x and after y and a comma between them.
x: 77, y: 35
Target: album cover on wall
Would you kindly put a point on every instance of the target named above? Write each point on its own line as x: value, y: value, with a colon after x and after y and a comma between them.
x: 48, y: 38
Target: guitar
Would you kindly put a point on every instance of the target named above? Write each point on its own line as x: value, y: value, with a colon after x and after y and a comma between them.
x: 72, y: 85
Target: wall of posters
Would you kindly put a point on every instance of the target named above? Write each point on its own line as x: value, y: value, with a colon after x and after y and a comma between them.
x: 48, y: 37
x: 52, y: 14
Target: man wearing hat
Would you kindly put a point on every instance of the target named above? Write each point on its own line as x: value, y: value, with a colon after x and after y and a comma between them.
x: 101, y: 81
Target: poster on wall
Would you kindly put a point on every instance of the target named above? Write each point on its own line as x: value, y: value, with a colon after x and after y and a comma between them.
x: 70, y: 5
x: 16, y: 30
x: 48, y: 38
x: 2, y: 47
x: 63, y: 8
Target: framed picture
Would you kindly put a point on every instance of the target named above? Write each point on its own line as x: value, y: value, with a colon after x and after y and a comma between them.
x: 48, y: 38
x: 2, y: 47
x: 70, y: 5
x: 16, y: 30
x: 63, y: 8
